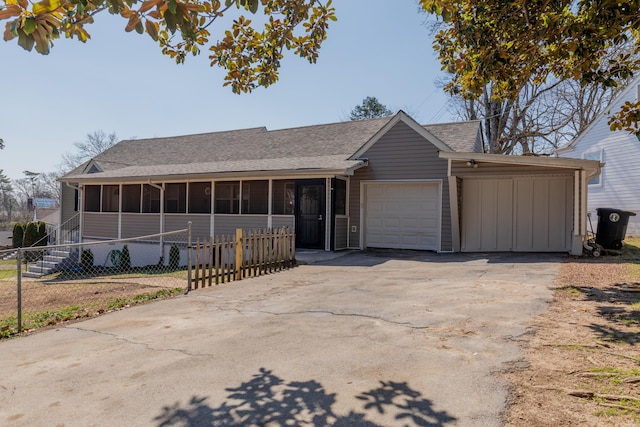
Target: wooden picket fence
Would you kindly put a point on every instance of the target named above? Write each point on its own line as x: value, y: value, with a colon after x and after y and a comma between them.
x: 247, y: 254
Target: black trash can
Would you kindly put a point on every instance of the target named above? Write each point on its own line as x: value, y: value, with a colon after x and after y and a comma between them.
x: 612, y: 227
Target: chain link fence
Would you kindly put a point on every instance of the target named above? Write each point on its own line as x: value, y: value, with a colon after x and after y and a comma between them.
x: 46, y: 285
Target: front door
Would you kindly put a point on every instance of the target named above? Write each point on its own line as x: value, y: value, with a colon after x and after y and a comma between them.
x: 310, y: 213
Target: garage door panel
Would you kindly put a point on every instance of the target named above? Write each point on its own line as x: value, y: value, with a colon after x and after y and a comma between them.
x: 518, y: 214
x: 402, y: 215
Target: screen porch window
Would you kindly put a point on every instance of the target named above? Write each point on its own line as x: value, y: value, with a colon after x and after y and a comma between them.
x: 200, y: 197
x: 131, y: 198
x: 175, y: 198
x: 110, y: 198
x: 150, y: 199
x: 227, y: 197
x: 284, y: 196
x: 91, y: 195
x: 255, y: 197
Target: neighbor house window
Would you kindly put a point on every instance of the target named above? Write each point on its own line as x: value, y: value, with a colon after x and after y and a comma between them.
x: 227, y: 197
x: 200, y: 197
x: 175, y: 198
x: 91, y: 195
x: 340, y: 189
x: 595, y: 155
x: 255, y: 197
x: 284, y: 196
x: 110, y: 198
x: 150, y: 199
x: 131, y: 198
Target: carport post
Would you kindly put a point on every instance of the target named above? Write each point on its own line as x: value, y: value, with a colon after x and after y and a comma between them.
x: 19, y: 265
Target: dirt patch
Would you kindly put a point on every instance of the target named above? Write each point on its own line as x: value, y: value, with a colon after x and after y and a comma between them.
x: 582, y: 363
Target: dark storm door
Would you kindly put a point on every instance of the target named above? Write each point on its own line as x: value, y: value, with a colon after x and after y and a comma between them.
x: 310, y: 214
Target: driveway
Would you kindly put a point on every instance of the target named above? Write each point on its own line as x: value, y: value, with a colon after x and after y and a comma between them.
x: 366, y: 339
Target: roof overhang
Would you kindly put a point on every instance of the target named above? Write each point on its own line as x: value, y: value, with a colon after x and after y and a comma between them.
x: 548, y: 162
x: 206, y: 171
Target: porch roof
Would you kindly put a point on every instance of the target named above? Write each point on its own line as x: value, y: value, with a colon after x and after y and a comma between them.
x: 550, y: 162
x: 307, y: 166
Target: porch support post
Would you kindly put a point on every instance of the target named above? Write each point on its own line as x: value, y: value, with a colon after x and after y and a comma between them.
x: 455, y: 214
x: 578, y: 215
x: 119, y: 211
x: 327, y: 215
x: 584, y: 189
x: 270, y: 207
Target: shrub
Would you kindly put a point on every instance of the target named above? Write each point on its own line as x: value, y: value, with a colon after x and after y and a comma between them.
x: 86, y: 259
x: 42, y: 233
x: 18, y: 235
x: 30, y: 234
x: 174, y: 257
x: 125, y: 259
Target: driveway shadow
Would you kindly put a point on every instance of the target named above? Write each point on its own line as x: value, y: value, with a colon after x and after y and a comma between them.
x: 373, y: 257
x: 267, y: 400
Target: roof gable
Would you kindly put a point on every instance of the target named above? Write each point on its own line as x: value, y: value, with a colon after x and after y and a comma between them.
x: 401, y: 116
x: 631, y: 92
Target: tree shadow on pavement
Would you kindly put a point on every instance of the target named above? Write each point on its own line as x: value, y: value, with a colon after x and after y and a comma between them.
x: 267, y: 400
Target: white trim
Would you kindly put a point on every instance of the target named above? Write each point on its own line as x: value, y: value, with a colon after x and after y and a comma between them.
x: 327, y: 212
x: 270, y: 206
x: 455, y: 214
x: 600, y: 152
x: 363, y: 185
x: 120, y: 209
x: 219, y: 176
x: 401, y: 116
x: 585, y: 193
x: 576, y: 203
x: 550, y: 162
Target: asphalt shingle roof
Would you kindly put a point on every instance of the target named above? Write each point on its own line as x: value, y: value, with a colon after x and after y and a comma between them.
x: 326, y: 146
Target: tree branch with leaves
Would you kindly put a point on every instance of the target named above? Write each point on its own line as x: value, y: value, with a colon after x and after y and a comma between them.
x: 511, y: 44
x: 250, y: 55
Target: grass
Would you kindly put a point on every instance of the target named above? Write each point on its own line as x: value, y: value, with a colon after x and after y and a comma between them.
x: 30, y: 321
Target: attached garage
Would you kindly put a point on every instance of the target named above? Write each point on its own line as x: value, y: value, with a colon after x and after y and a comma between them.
x: 524, y: 214
x: 518, y: 203
x: 401, y: 214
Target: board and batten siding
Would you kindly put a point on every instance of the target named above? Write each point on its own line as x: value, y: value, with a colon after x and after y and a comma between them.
x: 102, y: 225
x: 401, y: 154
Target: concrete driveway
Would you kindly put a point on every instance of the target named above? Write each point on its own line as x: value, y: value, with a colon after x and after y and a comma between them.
x: 366, y: 339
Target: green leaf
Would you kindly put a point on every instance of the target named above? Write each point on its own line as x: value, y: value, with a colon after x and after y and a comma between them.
x: 172, y: 6
x: 29, y: 26
x: 139, y: 27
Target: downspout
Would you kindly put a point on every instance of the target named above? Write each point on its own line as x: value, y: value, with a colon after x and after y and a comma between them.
x: 161, y: 188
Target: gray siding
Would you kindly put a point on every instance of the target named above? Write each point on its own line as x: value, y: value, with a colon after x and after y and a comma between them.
x: 227, y: 224
x: 67, y: 203
x: 135, y: 225
x: 401, y: 154
x: 341, y: 233
x: 103, y: 225
x: 283, y: 221
x: 200, y: 224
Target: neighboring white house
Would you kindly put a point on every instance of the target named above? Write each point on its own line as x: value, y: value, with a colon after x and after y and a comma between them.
x: 618, y: 186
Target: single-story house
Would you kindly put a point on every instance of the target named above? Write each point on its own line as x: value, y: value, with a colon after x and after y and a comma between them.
x: 618, y: 186
x: 380, y: 183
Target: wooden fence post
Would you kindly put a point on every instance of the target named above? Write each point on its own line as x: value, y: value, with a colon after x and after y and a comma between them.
x: 239, y: 253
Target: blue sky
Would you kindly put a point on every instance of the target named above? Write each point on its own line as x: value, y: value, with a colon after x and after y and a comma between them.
x: 120, y: 82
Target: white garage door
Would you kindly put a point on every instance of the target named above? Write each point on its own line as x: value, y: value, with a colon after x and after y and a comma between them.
x: 531, y: 214
x: 403, y: 215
